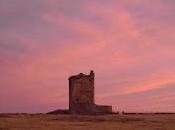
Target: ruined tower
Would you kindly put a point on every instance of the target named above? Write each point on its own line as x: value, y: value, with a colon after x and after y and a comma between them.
x: 81, y: 95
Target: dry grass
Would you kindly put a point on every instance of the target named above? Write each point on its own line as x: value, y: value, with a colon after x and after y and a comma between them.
x: 68, y: 122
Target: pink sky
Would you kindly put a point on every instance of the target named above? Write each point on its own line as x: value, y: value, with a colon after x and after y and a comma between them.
x: 130, y: 44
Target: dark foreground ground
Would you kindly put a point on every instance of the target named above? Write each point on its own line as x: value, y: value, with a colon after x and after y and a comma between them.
x: 68, y: 122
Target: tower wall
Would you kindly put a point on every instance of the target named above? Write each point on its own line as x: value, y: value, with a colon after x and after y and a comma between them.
x: 81, y: 93
x: 81, y: 96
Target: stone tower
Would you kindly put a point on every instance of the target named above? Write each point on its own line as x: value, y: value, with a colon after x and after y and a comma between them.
x: 81, y: 95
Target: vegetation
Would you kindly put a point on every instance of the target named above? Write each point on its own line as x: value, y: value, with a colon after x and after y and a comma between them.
x: 72, y: 122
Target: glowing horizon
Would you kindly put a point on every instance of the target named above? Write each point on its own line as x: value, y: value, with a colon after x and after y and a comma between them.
x: 129, y: 45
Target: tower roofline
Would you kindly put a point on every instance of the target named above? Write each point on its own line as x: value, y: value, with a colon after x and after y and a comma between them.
x: 81, y: 75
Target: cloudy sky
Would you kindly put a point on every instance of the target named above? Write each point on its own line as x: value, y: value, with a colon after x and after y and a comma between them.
x: 130, y: 44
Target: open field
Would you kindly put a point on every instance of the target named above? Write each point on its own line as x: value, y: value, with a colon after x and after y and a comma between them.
x: 70, y: 122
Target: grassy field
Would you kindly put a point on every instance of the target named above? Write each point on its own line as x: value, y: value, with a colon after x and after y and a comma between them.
x: 70, y: 122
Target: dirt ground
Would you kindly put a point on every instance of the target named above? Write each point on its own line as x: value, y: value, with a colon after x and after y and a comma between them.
x: 70, y: 122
